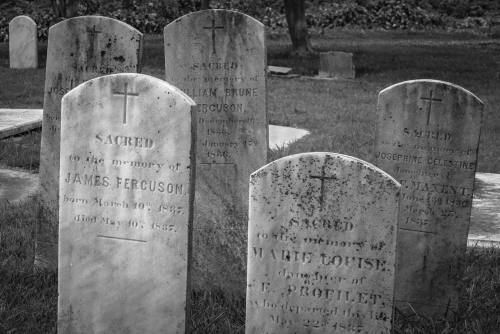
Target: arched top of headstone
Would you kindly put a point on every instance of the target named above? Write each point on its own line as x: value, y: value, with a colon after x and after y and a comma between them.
x: 91, y: 19
x: 142, y: 82
x: 220, y: 12
x: 328, y: 158
x: 430, y: 82
x: 22, y: 17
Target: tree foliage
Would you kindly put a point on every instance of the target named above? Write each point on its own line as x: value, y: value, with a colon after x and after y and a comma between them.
x: 150, y: 16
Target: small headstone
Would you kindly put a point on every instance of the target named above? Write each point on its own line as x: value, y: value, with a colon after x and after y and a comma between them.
x: 23, y: 42
x: 16, y: 121
x: 336, y: 64
x: 427, y: 138
x: 125, y: 204
x: 79, y: 49
x: 218, y: 57
x: 322, y: 246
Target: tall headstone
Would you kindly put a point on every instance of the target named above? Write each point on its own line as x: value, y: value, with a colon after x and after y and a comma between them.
x: 23, y: 42
x: 218, y: 57
x: 125, y: 206
x: 321, y: 246
x: 79, y: 49
x: 427, y: 138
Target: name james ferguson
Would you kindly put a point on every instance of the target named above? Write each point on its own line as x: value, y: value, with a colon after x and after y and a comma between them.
x: 92, y: 180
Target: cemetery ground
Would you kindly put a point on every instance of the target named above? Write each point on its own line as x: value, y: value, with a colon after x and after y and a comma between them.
x: 341, y: 118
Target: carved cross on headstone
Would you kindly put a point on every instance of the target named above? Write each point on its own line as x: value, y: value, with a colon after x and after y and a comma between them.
x: 322, y: 177
x: 126, y: 94
x: 430, y: 100
x: 93, y: 34
x: 213, y: 27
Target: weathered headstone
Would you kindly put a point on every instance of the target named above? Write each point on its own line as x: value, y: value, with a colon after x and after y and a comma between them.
x: 427, y: 138
x: 125, y: 202
x: 23, y: 42
x: 79, y: 49
x: 218, y: 58
x: 336, y: 64
x: 322, y: 246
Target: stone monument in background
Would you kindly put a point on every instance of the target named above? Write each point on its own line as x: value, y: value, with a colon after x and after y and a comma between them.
x: 218, y: 57
x: 427, y: 138
x: 125, y: 207
x: 79, y: 49
x: 23, y: 43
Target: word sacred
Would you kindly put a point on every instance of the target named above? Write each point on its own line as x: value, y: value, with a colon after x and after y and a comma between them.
x: 125, y: 141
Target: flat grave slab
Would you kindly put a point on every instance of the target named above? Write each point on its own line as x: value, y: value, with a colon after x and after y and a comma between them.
x: 284, y: 135
x: 485, y: 216
x: 16, y: 186
x: 15, y: 121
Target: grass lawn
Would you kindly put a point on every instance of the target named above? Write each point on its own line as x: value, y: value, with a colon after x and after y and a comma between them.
x: 341, y: 118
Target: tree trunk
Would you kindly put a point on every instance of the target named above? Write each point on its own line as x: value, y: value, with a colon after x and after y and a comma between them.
x: 205, y: 4
x: 171, y: 7
x: 65, y: 8
x: 297, y: 26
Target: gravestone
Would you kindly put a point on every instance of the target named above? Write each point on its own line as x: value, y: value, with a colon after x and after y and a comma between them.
x: 336, y: 64
x: 427, y: 138
x: 322, y: 246
x: 218, y: 58
x: 79, y: 49
x: 23, y: 42
x: 125, y: 202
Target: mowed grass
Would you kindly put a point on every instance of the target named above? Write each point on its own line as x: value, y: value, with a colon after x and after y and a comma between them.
x: 341, y: 118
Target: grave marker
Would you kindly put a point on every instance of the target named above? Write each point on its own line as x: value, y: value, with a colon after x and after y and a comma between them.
x: 427, y: 138
x: 125, y: 208
x: 336, y: 64
x: 79, y: 49
x: 218, y: 58
x: 321, y: 255
x: 23, y: 42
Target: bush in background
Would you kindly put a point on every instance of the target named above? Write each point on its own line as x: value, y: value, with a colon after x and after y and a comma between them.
x: 150, y: 16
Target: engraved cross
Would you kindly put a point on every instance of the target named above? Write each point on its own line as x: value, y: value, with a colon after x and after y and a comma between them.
x: 322, y: 177
x: 126, y: 94
x: 213, y: 27
x: 430, y: 100
x: 93, y: 33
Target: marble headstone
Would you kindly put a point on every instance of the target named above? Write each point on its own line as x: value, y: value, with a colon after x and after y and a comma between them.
x: 23, y: 42
x: 321, y: 246
x: 79, y: 49
x: 336, y: 64
x: 125, y: 201
x: 427, y: 138
x: 218, y: 57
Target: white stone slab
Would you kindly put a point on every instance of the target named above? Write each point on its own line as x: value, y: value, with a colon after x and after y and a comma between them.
x: 218, y: 57
x: 282, y: 136
x: 321, y: 246
x: 23, y: 43
x: 79, y: 49
x: 15, y: 121
x: 427, y: 138
x: 125, y: 201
